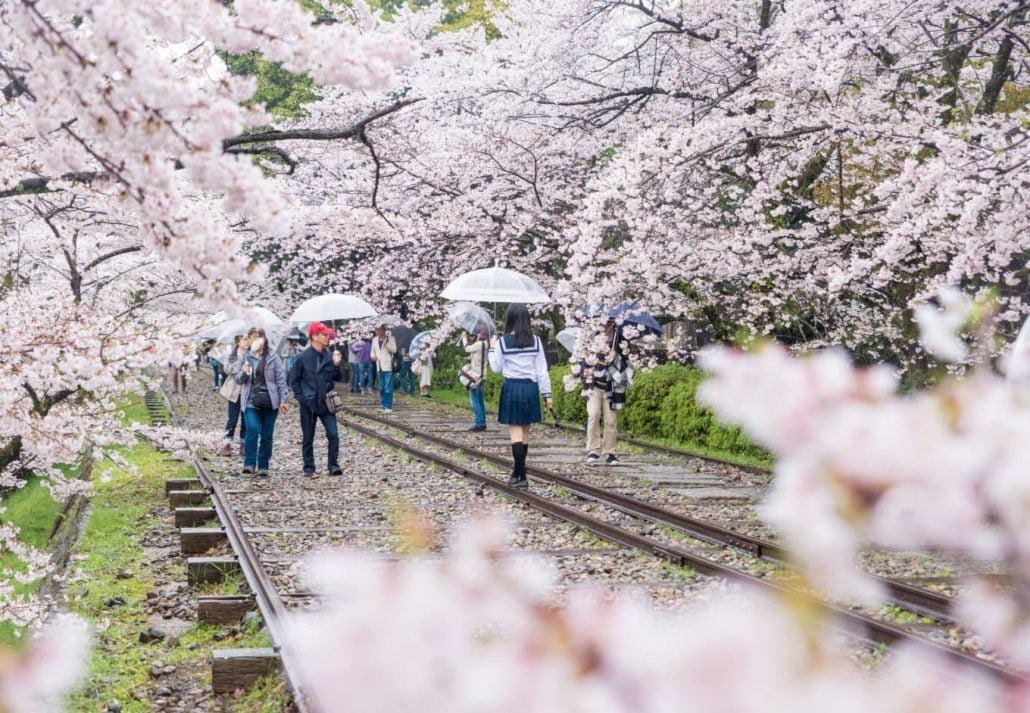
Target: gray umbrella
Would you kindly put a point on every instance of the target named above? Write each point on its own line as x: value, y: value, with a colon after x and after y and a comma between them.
x: 403, y: 335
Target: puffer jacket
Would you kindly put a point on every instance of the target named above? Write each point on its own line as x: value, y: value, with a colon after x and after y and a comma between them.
x: 275, y: 378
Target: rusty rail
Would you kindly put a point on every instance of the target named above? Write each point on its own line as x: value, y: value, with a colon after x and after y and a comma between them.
x: 866, y: 629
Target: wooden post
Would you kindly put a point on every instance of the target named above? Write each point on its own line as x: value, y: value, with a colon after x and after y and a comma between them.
x: 197, y: 540
x: 240, y: 668
x: 183, y: 498
x: 210, y: 569
x: 224, y: 609
x: 194, y: 517
x: 182, y: 484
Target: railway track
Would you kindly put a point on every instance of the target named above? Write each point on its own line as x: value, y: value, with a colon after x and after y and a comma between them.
x: 269, y: 528
x: 920, y: 601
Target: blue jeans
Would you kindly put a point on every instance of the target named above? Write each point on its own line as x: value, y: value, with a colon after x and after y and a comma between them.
x: 386, y: 389
x: 366, y: 375
x: 406, y: 378
x: 478, y: 405
x: 307, y: 445
x: 216, y: 369
x: 234, y: 418
x: 355, y: 377
x: 257, y: 446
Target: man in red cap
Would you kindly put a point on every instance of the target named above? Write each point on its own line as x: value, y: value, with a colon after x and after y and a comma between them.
x: 312, y: 377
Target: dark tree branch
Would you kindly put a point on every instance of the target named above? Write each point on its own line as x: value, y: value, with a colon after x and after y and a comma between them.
x: 265, y: 150
x: 363, y: 138
x: 353, y: 131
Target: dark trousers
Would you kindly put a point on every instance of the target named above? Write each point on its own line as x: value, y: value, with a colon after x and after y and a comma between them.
x: 355, y: 377
x: 257, y: 446
x: 234, y: 418
x: 308, y: 418
x: 406, y: 378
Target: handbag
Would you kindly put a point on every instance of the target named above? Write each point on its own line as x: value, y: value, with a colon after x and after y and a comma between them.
x: 333, y: 400
x: 416, y: 367
x: 260, y: 398
x: 230, y: 390
x: 468, y: 378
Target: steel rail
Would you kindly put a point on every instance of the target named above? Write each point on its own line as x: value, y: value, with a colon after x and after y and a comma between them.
x: 866, y: 629
x: 920, y: 601
x: 272, y: 609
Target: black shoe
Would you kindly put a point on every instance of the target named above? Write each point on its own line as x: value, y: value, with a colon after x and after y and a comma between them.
x: 309, y: 474
x: 519, y: 483
x: 336, y: 471
x: 248, y: 470
x: 477, y: 428
x: 611, y: 460
x: 593, y: 459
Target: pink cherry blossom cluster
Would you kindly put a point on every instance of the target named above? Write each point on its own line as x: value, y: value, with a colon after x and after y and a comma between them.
x: 485, y: 628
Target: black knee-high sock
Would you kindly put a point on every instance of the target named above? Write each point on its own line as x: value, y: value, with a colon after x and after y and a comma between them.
x: 518, y: 453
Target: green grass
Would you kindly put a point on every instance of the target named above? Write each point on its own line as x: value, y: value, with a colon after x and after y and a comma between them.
x: 133, y: 409
x: 33, y: 511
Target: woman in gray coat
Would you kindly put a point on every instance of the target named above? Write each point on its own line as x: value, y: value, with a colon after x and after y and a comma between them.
x: 263, y: 394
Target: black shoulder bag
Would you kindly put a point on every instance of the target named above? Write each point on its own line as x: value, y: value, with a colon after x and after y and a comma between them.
x: 333, y: 402
x: 259, y: 396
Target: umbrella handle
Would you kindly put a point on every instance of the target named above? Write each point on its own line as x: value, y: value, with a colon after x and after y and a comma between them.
x: 555, y: 417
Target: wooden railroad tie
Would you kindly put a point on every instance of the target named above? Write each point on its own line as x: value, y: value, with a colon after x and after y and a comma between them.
x: 227, y: 609
x: 182, y: 484
x: 194, y: 516
x: 197, y: 540
x: 211, y: 569
x: 240, y: 668
x: 183, y: 498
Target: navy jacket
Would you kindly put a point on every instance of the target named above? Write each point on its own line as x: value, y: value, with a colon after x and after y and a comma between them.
x: 303, y: 382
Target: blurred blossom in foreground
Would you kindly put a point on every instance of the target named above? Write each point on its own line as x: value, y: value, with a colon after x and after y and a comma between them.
x: 479, y: 629
x: 34, y: 680
x: 942, y: 470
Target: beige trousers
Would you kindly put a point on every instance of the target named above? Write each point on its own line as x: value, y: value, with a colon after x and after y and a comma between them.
x: 597, y: 405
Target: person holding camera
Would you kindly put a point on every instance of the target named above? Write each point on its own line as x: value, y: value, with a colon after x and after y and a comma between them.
x: 262, y: 376
x: 384, y: 346
x: 605, y: 380
x: 314, y: 372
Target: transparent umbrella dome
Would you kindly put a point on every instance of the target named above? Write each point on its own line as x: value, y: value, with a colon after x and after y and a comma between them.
x: 495, y: 284
x: 332, y: 306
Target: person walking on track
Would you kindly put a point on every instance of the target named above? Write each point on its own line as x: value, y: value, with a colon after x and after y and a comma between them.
x: 519, y: 357
x: 314, y: 373
x: 384, y: 346
x: 262, y: 376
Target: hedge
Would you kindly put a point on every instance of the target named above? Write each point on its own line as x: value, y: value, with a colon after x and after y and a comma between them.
x: 661, y: 405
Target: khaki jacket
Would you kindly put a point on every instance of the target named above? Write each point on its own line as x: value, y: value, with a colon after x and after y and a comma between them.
x: 382, y: 356
x: 477, y: 356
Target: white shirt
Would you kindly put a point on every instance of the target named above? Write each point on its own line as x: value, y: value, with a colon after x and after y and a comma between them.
x: 525, y: 363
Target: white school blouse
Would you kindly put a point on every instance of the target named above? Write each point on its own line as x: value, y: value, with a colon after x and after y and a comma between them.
x: 522, y: 363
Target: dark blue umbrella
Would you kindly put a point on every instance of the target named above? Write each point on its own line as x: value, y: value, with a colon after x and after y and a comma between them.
x: 644, y: 321
x: 624, y: 313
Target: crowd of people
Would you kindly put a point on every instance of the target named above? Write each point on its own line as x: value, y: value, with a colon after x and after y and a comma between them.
x: 257, y: 383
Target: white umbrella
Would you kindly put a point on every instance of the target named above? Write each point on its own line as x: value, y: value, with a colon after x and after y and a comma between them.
x: 495, y: 284
x: 274, y: 327
x: 568, y: 337
x: 326, y: 308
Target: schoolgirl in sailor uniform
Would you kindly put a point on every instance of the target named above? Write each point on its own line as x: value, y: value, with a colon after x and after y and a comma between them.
x: 519, y: 357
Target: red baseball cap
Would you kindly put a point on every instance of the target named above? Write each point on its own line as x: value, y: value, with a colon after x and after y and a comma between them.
x: 319, y: 328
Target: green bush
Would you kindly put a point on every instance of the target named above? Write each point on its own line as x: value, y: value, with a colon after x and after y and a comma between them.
x: 568, y: 405
x: 661, y: 405
x: 643, y: 412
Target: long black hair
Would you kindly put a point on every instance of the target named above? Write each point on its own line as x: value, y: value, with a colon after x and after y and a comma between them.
x: 516, y: 321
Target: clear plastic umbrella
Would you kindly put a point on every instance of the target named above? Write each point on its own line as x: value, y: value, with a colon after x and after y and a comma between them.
x: 471, y: 317
x: 326, y: 308
x: 235, y: 327
x: 495, y: 284
x: 568, y: 337
x: 421, y: 341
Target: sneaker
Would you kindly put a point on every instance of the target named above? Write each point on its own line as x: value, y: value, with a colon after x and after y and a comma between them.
x: 309, y: 474
x: 248, y: 470
x: 262, y: 473
x: 611, y: 460
x: 593, y: 459
x: 425, y: 396
x: 387, y: 410
x: 336, y: 471
x: 477, y: 428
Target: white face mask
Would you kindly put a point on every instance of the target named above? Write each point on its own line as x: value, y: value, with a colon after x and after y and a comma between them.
x: 257, y: 345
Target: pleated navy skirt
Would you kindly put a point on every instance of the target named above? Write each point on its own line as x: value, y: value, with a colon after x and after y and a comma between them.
x: 520, y: 402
